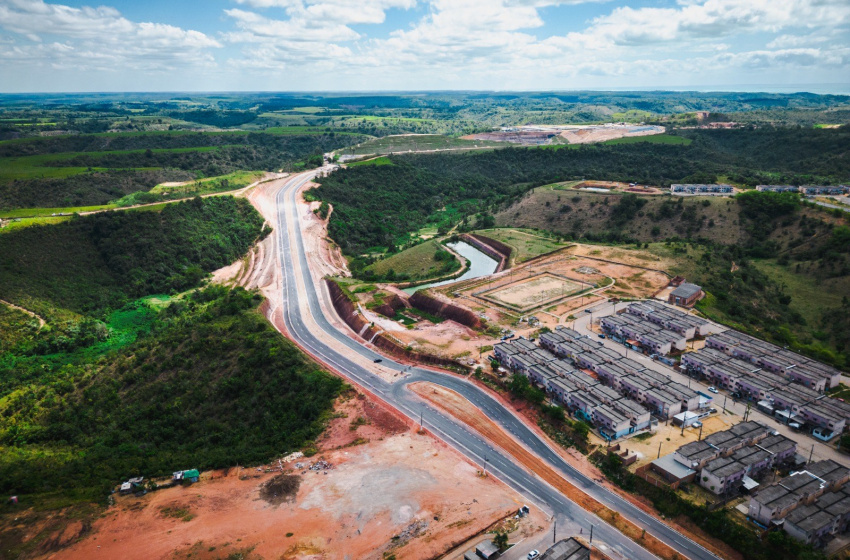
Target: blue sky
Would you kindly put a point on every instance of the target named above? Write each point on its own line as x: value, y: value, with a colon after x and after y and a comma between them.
x: 291, y: 45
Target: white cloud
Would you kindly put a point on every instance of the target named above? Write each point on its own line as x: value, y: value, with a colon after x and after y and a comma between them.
x: 98, y: 39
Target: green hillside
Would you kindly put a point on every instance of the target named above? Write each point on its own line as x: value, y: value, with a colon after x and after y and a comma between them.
x: 95, y: 263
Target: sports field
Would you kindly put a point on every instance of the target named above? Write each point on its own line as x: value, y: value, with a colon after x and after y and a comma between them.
x: 533, y: 292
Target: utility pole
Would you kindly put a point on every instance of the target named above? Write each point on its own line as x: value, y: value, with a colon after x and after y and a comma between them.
x: 812, y: 452
x: 700, y: 433
x: 724, y: 402
x: 555, y: 532
x: 659, y: 450
x: 421, y: 411
x: 591, y: 533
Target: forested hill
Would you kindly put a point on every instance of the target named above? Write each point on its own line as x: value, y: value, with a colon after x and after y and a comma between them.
x: 96, y: 263
x: 414, y: 189
x: 96, y: 169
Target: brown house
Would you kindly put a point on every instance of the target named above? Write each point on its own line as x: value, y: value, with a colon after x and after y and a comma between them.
x: 686, y: 295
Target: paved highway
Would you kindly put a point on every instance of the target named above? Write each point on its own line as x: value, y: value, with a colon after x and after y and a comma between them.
x: 301, y: 299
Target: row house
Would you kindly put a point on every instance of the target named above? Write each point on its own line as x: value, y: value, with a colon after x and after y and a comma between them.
x: 754, y: 459
x: 722, y: 475
x: 635, y: 387
x: 833, y: 475
x: 809, y: 524
x: 524, y: 345
x: 837, y: 504
x: 560, y: 388
x: 610, y: 373
x: 697, y: 362
x: 610, y: 422
x: 589, y: 360
x: 822, y: 416
x: 775, y: 363
x: 696, y: 454
x: 605, y: 394
x: 583, y: 380
x: 541, y: 374
x: 655, y: 379
x: 639, y: 416
x: 550, y: 340
x: 775, y: 502
x: 631, y: 366
x: 583, y: 403
x: 724, y: 377
x: 568, y: 332
x: 807, y: 377
x: 754, y: 388
x: 832, y: 375
x: 724, y: 342
x: 656, y: 344
x: 781, y: 448
x: 792, y: 397
x: 569, y: 350
x: 688, y: 397
x: 662, y: 402
x: 504, y: 351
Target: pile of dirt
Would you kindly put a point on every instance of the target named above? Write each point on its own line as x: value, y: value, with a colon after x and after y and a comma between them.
x: 280, y: 489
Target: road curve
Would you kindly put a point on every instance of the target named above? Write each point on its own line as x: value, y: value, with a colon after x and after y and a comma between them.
x: 301, y: 299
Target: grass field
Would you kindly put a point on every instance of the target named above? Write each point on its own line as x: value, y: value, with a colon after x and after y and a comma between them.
x: 417, y: 143
x: 525, y: 244
x: 654, y: 139
x: 417, y: 263
x: 46, y: 212
x: 378, y: 161
x: 231, y: 181
x: 810, y: 292
x: 49, y: 165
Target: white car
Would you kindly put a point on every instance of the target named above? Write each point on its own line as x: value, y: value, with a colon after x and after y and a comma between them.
x: 533, y: 554
x: 713, y: 389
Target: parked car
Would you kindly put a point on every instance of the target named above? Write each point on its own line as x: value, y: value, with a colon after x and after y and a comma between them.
x: 697, y: 424
x: 377, y: 360
x: 713, y: 389
x: 533, y: 554
x: 712, y: 411
x: 601, y: 336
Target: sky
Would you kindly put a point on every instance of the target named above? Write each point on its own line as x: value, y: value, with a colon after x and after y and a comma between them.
x: 398, y: 45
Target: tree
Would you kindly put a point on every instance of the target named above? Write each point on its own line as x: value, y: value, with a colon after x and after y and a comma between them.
x: 500, y: 539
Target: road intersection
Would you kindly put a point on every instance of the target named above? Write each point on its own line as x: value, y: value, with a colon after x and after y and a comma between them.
x: 303, y: 312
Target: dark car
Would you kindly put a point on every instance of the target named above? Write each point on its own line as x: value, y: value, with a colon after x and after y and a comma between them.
x: 377, y: 360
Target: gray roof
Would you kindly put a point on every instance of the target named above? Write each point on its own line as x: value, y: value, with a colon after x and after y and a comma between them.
x: 675, y: 468
x: 567, y: 549
x: 724, y: 466
x: 686, y: 290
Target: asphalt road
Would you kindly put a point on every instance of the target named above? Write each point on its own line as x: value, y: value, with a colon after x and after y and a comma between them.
x: 301, y: 299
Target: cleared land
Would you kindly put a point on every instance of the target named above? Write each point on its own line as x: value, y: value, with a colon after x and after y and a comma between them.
x: 534, y: 292
x: 389, y: 491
